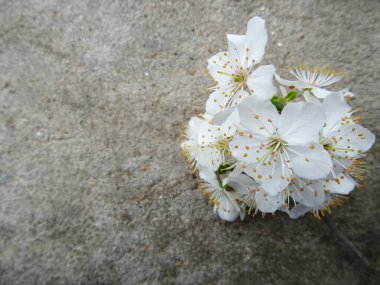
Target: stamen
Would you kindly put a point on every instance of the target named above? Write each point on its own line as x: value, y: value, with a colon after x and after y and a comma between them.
x: 316, y: 76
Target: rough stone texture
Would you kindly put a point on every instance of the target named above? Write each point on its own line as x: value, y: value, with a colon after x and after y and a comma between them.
x: 94, y: 190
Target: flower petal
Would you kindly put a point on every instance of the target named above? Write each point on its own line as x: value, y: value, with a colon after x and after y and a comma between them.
x: 209, y: 158
x: 300, y: 123
x: 246, y: 148
x: 310, y: 98
x: 298, y: 211
x: 257, y: 38
x: 220, y: 68
x: 320, y: 92
x: 345, y: 93
x: 311, y: 162
x: 226, y: 206
x: 229, y: 116
x: 339, y: 165
x: 260, y: 82
x: 239, y: 181
x: 207, y: 155
x: 259, y: 117
x: 228, y: 215
x: 335, y: 109
x: 298, y: 84
x: 257, y: 162
x: 206, y: 174
x: 218, y: 100
x: 273, y: 174
x: 237, y: 50
x: 351, y: 140
x: 310, y: 193
x: 267, y: 203
x: 239, y: 96
x: 343, y: 184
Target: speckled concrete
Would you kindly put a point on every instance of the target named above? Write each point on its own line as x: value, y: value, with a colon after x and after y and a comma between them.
x: 93, y: 187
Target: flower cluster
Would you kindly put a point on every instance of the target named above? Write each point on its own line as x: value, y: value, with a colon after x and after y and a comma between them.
x: 295, y: 147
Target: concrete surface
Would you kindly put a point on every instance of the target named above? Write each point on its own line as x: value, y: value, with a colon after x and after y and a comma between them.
x: 93, y: 187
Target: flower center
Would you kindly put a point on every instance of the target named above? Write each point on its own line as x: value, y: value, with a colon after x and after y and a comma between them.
x: 328, y: 146
x: 240, y: 78
x: 222, y: 144
x: 331, y: 145
x: 276, y: 145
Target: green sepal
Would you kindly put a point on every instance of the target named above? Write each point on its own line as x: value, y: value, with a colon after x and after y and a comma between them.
x: 279, y: 102
x: 223, y: 168
x: 291, y: 96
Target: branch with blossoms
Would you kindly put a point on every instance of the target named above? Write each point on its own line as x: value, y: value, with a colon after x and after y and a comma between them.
x: 295, y: 148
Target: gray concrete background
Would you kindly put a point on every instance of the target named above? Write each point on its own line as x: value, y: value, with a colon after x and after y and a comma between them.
x: 93, y: 187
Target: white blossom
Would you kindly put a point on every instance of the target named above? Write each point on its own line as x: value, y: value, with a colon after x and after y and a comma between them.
x: 233, y: 70
x: 259, y: 150
x: 276, y: 147
x: 313, y: 80
x: 317, y: 196
x: 345, y: 140
x: 225, y: 204
x: 206, y: 144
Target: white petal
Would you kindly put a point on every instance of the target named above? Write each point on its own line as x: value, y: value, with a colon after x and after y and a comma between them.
x: 246, y: 148
x: 339, y: 165
x: 298, y: 211
x: 345, y: 93
x: 343, y: 184
x: 206, y: 174
x: 260, y: 82
x: 208, y: 156
x: 192, y: 133
x: 310, y: 163
x: 267, y: 203
x: 237, y: 50
x: 310, y: 98
x: 335, y: 109
x: 300, y: 123
x: 226, y: 121
x: 273, y: 175
x: 257, y: 38
x: 229, y: 216
x: 218, y: 100
x: 238, y: 181
x: 191, y: 144
x: 239, y: 96
x: 351, y: 140
x: 310, y: 193
x: 284, y: 93
x: 320, y: 92
x: 229, y: 116
x: 298, y: 84
x: 227, y: 207
x: 219, y: 68
x: 259, y: 117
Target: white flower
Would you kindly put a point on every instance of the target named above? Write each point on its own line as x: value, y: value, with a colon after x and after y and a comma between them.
x: 313, y: 79
x: 318, y: 196
x: 341, y: 136
x: 232, y: 70
x: 207, y: 145
x: 276, y: 147
x: 257, y: 149
x: 223, y: 199
x: 250, y: 195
